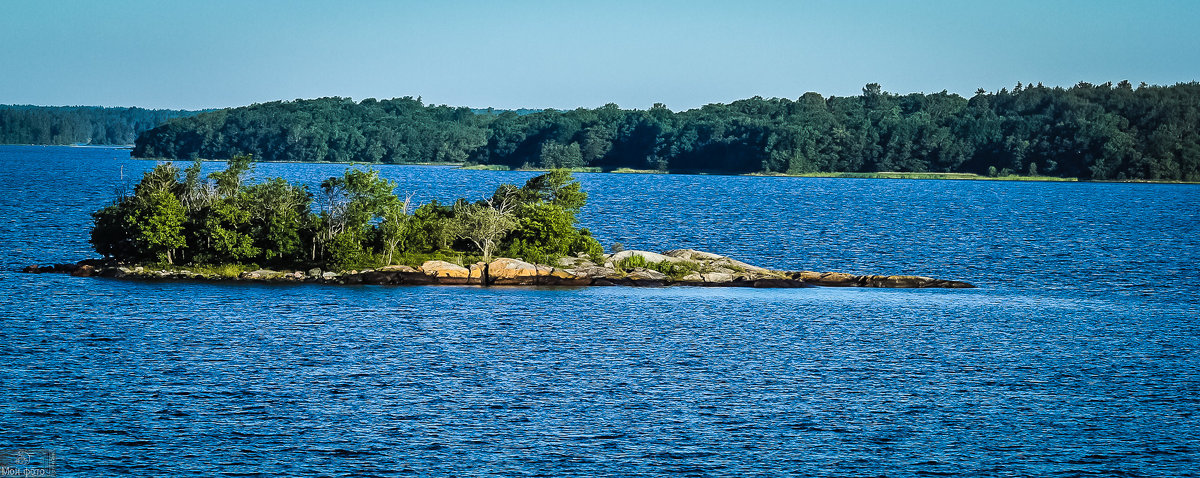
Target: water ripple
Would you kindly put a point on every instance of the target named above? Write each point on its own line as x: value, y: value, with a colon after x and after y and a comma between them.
x: 1078, y: 356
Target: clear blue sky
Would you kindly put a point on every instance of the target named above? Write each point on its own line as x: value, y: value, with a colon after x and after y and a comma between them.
x: 565, y: 54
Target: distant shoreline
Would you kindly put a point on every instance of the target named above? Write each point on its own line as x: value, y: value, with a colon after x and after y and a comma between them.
x: 841, y: 175
x: 597, y: 170
x: 103, y: 146
x: 878, y: 175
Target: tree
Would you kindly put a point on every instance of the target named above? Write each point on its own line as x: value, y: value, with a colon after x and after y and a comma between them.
x: 1086, y: 131
x: 112, y: 234
x: 484, y: 224
x: 347, y: 205
x: 279, y: 214
x: 225, y: 219
x: 226, y: 230
x: 430, y: 228
x: 557, y: 187
x: 158, y: 225
x: 23, y: 124
x: 555, y: 155
x: 147, y: 225
x: 197, y: 193
x: 394, y: 226
x: 229, y: 181
x: 545, y: 209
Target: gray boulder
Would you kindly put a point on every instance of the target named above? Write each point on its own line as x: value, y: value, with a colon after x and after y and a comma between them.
x: 693, y: 255
x: 647, y: 274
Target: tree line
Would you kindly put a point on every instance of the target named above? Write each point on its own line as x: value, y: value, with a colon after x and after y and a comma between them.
x: 1088, y: 131
x: 24, y: 124
x: 351, y: 221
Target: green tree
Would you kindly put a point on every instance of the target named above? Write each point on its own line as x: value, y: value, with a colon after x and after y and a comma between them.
x: 555, y: 155
x: 229, y: 181
x: 347, y: 206
x: 279, y: 216
x: 226, y: 230
x: 394, y: 227
x: 545, y: 209
x: 430, y: 228
x: 158, y: 225
x: 484, y: 224
x: 557, y: 187
x: 543, y: 232
x: 113, y: 233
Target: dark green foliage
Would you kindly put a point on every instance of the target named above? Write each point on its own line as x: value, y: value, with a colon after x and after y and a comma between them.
x: 280, y: 216
x: 22, y: 124
x: 345, y: 251
x: 147, y: 226
x: 227, y: 230
x: 1087, y: 131
x: 557, y: 188
x: 430, y: 228
x: 397, y: 131
x: 544, y: 232
x: 546, y: 208
x: 359, y: 222
x: 556, y: 155
x: 112, y: 235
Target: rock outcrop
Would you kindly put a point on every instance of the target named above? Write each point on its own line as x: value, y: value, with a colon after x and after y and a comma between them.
x: 649, y: 257
x: 505, y: 271
x: 685, y: 267
x: 447, y: 271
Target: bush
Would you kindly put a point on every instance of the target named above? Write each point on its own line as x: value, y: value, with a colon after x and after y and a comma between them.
x: 676, y: 270
x: 632, y: 262
x: 590, y: 246
x: 345, y: 251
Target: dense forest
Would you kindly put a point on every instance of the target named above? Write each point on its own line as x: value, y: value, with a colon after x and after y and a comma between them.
x: 355, y: 220
x: 23, y: 124
x: 1087, y: 131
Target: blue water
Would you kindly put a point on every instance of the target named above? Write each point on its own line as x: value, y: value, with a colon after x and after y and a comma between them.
x: 1078, y: 355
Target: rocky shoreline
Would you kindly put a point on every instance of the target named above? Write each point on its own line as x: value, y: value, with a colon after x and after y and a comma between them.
x: 688, y: 268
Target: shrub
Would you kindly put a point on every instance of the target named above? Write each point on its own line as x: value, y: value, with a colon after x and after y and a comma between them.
x: 345, y: 251
x: 676, y: 270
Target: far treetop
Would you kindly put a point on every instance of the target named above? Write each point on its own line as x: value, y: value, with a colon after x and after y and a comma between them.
x: 1087, y: 131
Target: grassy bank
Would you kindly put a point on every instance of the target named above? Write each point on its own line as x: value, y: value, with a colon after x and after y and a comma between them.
x: 906, y: 175
x: 593, y: 169
x: 879, y: 175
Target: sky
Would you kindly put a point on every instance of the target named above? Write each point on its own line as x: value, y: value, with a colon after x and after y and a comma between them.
x: 566, y: 54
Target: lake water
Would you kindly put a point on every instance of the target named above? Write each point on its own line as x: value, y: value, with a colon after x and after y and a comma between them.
x: 1078, y: 355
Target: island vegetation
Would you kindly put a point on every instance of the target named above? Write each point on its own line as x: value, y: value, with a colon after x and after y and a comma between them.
x: 1091, y: 132
x: 93, y: 125
x: 352, y: 221
x: 355, y: 229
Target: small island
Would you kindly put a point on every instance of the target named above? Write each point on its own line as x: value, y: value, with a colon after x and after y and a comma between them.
x: 180, y: 225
